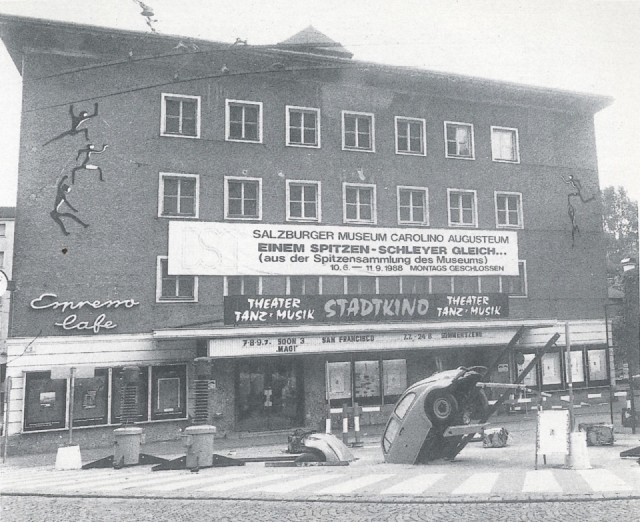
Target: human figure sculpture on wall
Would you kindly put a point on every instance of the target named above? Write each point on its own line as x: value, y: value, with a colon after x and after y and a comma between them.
x: 76, y: 121
x: 575, y: 183
x: 88, y: 151
x: 61, y: 198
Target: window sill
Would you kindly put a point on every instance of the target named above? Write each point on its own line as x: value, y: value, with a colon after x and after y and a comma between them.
x: 469, y: 158
x: 163, y: 135
x: 238, y: 140
x: 349, y: 149
x: 408, y: 153
x: 303, y: 145
x: 513, y: 162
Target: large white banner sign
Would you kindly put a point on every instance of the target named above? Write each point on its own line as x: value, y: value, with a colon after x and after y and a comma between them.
x: 207, y: 248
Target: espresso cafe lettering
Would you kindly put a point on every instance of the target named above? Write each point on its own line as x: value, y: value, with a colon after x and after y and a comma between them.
x: 75, y: 319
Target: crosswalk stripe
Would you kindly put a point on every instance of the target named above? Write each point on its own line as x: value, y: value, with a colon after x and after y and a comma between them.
x: 187, y: 482
x: 477, y: 483
x: 287, y: 487
x: 242, y: 483
x: 539, y: 481
x: 58, y: 480
x: 353, y: 484
x: 139, y: 483
x: 414, y: 486
x: 105, y: 480
x: 603, y: 480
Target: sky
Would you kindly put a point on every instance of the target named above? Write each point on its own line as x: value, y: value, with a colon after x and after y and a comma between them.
x: 582, y: 45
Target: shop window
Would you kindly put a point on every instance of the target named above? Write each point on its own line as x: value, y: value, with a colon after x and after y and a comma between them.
x: 359, y: 203
x: 180, y: 116
x: 304, y: 285
x: 462, y: 208
x: 394, y: 379
x: 597, y: 360
x: 504, y: 145
x: 531, y: 379
x: 244, y: 121
x: 410, y: 136
x: 243, y: 198
x: 412, y: 206
x: 367, y: 383
x: 45, y: 402
x: 138, y: 395
x: 168, y: 392
x: 415, y: 285
x: 91, y: 397
x: 243, y: 285
x: 361, y: 285
x: 458, y: 140
x: 303, y: 127
x: 174, y: 288
x: 577, y: 367
x: 358, y: 131
x: 178, y: 195
x: 339, y: 381
x: 303, y: 200
x: 551, y: 369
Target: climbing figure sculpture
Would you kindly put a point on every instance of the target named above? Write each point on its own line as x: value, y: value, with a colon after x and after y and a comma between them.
x: 88, y: 151
x: 61, y: 198
x: 76, y: 121
x: 575, y: 183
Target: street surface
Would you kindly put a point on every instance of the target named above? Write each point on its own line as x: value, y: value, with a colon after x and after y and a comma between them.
x: 27, y: 509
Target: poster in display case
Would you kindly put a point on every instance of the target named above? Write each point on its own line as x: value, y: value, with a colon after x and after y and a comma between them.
x: 45, y: 402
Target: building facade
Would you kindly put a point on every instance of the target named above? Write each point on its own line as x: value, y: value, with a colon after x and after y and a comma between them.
x: 7, y: 221
x: 325, y: 231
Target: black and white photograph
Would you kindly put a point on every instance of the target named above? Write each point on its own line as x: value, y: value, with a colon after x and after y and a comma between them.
x: 282, y: 260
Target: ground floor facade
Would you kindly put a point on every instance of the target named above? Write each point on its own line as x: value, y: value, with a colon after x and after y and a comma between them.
x: 270, y: 378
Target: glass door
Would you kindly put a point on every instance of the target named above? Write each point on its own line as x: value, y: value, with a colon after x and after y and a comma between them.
x: 268, y: 394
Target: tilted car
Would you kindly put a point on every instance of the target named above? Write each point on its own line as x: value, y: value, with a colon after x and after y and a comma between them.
x: 415, y: 430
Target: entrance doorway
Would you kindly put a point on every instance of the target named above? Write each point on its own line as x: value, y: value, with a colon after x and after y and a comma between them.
x: 268, y: 394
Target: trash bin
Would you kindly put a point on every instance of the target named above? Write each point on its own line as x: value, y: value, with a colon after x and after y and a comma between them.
x: 127, y: 446
x: 199, y: 443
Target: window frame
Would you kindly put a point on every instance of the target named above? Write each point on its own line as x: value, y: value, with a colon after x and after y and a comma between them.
x: 345, y: 284
x: 520, y: 224
x: 475, y: 208
x: 165, y: 300
x: 161, y: 177
x: 472, y: 146
x: 372, y: 137
x: 318, y: 218
x: 425, y: 190
x: 225, y: 285
x: 288, y: 143
x: 227, y: 118
x: 163, y: 114
x: 374, y: 206
x: 525, y: 282
x: 226, y: 199
x: 406, y: 279
x: 288, y: 285
x: 423, y: 136
x: 516, y: 144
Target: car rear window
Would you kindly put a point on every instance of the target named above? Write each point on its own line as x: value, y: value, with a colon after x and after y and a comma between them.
x: 403, y: 406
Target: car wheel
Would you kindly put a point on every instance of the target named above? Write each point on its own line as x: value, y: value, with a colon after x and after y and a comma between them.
x: 311, y: 455
x: 441, y: 406
x: 474, y: 406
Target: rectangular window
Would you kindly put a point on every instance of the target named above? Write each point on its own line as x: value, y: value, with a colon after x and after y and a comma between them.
x: 244, y: 121
x: 303, y: 200
x: 243, y: 198
x: 180, y: 116
x: 303, y: 126
x: 465, y: 284
x: 178, y: 195
x: 91, y: 399
x: 597, y: 360
x: 358, y: 131
x: 459, y: 140
x: 3, y: 230
x: 410, y: 136
x: 359, y: 203
x: 243, y: 285
x: 415, y: 285
x: 130, y: 397
x: 1, y: 259
x: 489, y: 284
x: 168, y: 392
x: 515, y: 286
x: 508, y: 209
x: 339, y: 382
x: 577, y: 367
x: 531, y: 379
x: 442, y: 284
x: 504, y: 145
x: 551, y: 370
x: 413, y: 207
x: 45, y: 402
x: 462, y: 208
x: 361, y: 285
x: 174, y: 288
x: 304, y: 285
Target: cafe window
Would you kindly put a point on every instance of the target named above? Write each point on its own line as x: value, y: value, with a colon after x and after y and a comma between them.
x: 45, y: 402
x: 168, y: 392
x: 91, y: 399
x: 367, y: 382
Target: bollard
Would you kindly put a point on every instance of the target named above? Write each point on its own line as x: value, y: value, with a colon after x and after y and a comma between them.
x: 345, y: 424
x: 127, y: 446
x: 327, y: 421
x: 199, y: 442
x: 357, y: 410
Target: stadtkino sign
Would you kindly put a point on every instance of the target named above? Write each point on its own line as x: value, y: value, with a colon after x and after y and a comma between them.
x: 207, y: 248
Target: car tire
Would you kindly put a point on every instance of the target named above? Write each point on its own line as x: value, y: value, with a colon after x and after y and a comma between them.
x: 441, y: 407
x: 474, y: 407
x: 311, y: 455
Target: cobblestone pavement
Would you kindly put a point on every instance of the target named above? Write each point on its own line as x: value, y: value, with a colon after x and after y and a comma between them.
x: 27, y: 509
